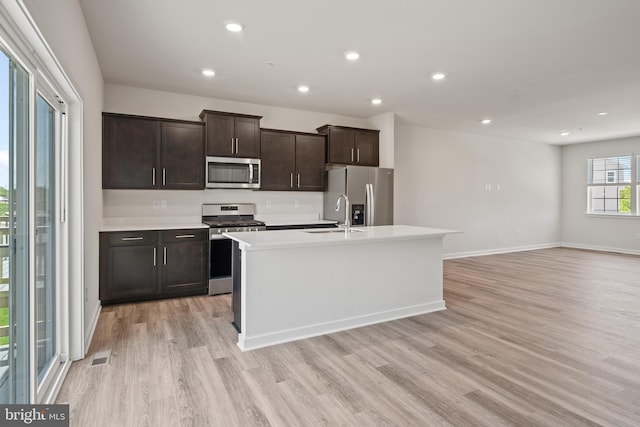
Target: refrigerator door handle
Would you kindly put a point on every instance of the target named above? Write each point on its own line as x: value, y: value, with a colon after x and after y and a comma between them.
x: 370, y: 203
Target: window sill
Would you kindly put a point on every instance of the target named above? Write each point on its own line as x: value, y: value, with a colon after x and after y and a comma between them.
x: 611, y: 215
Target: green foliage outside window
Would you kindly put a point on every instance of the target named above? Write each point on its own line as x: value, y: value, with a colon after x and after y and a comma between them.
x: 624, y: 203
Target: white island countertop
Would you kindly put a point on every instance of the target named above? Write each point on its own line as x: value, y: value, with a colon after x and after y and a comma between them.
x: 296, y: 284
x: 259, y: 240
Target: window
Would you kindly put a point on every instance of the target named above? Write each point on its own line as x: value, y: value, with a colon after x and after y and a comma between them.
x: 609, y: 185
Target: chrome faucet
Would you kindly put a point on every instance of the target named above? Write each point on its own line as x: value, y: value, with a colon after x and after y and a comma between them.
x: 347, y: 222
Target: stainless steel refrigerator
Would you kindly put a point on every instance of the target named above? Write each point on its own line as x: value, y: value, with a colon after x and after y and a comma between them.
x: 370, y: 193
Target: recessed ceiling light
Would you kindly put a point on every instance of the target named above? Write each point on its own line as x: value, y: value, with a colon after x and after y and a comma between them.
x: 234, y: 27
x: 486, y: 121
x: 352, y: 56
x: 303, y: 89
x: 438, y: 76
x: 603, y: 113
x: 376, y: 101
x: 208, y: 72
x: 565, y: 133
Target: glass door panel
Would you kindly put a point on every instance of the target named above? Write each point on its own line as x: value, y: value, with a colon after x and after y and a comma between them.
x: 45, y: 224
x: 14, y: 232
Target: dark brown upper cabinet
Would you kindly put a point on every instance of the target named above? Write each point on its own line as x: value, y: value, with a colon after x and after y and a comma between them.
x: 292, y: 161
x: 151, y: 153
x: 351, y: 146
x: 231, y: 135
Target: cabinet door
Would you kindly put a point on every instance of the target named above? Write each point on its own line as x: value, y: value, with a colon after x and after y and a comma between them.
x: 184, y: 261
x: 220, y: 134
x: 247, y: 132
x: 182, y: 156
x: 366, y: 148
x: 341, y: 146
x: 310, y: 163
x: 130, y: 272
x: 277, y: 161
x: 130, y: 152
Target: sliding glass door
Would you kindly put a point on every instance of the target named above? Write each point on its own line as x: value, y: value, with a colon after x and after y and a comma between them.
x: 45, y: 236
x: 30, y: 251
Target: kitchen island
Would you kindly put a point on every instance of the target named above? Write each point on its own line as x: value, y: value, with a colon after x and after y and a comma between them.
x: 296, y: 284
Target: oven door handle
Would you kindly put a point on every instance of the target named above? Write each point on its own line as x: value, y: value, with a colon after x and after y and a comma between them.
x: 217, y: 237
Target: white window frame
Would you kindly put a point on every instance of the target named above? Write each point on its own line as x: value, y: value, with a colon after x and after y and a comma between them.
x: 634, y: 184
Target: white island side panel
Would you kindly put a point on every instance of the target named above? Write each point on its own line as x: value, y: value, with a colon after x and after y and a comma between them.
x: 297, y: 292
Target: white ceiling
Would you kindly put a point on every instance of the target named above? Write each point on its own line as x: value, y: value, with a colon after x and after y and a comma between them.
x: 536, y: 67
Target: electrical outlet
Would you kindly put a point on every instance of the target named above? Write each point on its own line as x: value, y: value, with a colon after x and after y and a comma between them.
x: 163, y: 204
x: 155, y: 204
x: 297, y: 204
x: 268, y: 204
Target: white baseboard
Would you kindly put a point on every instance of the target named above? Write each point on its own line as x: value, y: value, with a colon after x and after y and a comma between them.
x: 600, y: 248
x: 500, y: 251
x: 288, y: 335
x: 89, y: 333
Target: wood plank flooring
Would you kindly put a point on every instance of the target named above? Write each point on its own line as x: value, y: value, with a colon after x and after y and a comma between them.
x: 539, y: 338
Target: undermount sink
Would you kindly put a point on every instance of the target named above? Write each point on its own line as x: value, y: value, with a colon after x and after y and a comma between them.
x: 336, y: 230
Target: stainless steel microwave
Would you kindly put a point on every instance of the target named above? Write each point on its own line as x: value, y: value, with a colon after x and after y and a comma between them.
x: 232, y: 172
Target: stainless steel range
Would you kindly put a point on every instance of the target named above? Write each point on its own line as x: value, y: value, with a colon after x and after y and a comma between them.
x: 222, y: 218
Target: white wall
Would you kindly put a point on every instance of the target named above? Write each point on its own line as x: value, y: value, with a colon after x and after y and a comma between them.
x: 591, y: 231
x: 145, y: 102
x: 441, y: 179
x: 63, y: 26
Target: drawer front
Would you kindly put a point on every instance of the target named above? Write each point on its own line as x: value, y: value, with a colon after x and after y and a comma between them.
x: 132, y: 237
x: 198, y: 234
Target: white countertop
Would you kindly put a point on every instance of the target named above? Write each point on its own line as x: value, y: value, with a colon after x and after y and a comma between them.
x: 151, y: 223
x: 257, y: 240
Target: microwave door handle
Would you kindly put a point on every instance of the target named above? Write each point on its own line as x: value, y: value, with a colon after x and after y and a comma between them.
x: 250, y: 174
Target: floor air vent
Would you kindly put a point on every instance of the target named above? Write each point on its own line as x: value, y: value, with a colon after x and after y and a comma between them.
x: 101, y: 358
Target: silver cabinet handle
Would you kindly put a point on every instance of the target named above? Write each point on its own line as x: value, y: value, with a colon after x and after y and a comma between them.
x: 164, y: 256
x: 153, y: 176
x: 232, y: 145
x: 358, y: 155
x: 132, y: 238
x: 185, y: 236
x: 236, y: 145
x: 155, y: 255
x: 298, y: 180
x: 291, y: 181
x: 164, y: 176
x: 352, y: 155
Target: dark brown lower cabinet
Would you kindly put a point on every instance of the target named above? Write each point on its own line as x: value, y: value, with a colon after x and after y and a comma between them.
x: 142, y: 265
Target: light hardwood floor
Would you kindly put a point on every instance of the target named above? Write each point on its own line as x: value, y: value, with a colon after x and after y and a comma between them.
x: 549, y: 337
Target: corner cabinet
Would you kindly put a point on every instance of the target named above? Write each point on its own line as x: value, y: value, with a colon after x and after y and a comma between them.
x: 292, y: 161
x: 351, y: 146
x: 231, y: 135
x: 143, y: 265
x: 151, y: 153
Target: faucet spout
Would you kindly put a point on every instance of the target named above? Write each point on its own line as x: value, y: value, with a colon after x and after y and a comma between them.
x: 347, y: 221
